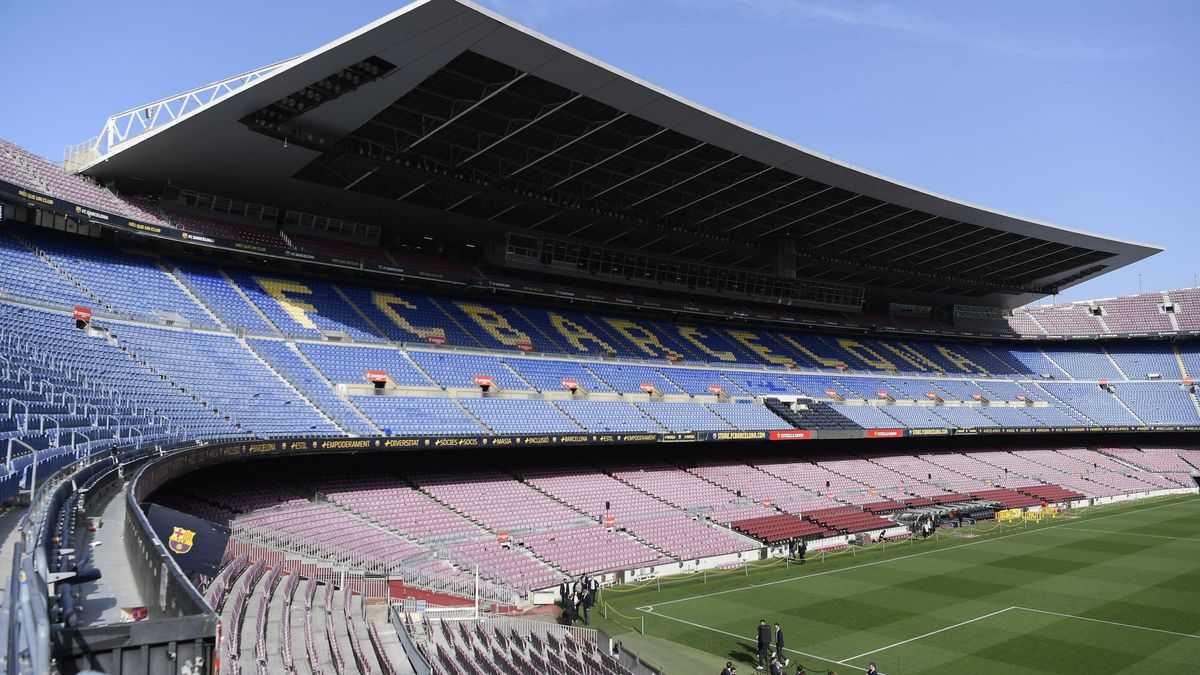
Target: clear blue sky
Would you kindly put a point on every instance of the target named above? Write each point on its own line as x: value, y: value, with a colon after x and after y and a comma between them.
x: 1084, y: 114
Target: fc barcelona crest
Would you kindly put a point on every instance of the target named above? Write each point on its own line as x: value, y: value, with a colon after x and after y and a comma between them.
x: 181, y: 540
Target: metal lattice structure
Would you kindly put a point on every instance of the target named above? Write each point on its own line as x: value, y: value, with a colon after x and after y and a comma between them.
x: 131, y: 123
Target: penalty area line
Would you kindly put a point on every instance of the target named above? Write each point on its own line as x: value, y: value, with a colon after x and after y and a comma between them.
x: 746, y: 639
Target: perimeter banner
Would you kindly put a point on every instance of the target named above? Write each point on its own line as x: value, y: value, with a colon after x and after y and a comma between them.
x: 196, y: 544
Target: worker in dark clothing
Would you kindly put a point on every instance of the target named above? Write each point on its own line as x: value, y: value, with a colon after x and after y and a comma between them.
x: 729, y: 669
x: 776, y: 668
x: 779, y: 646
x: 764, y: 643
x: 871, y: 669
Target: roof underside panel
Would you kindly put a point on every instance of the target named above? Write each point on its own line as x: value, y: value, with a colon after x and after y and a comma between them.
x: 486, y: 121
x: 490, y: 141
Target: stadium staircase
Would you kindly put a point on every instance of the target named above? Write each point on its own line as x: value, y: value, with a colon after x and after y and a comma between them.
x: 1129, y: 410
x: 246, y: 298
x: 472, y: 416
x: 178, y: 279
x: 347, y: 400
x: 1108, y: 355
x: 287, y: 383
x: 61, y: 272
x: 357, y: 310
x: 1179, y: 357
x: 454, y: 320
x: 1000, y: 359
x: 1065, y: 373
x: 542, y: 333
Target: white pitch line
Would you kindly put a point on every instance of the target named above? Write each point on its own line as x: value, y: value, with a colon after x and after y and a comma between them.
x: 746, y: 639
x: 906, y: 557
x: 1135, y: 534
x: 932, y: 632
x: 1111, y: 623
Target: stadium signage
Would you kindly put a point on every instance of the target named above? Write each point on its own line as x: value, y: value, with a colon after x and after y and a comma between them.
x: 570, y: 384
x: 929, y: 432
x: 680, y: 438
x: 198, y: 237
x: 179, y: 463
x: 82, y: 313
x: 789, y: 435
x: 610, y: 521
x: 36, y: 197
x: 376, y: 375
x: 95, y: 215
x: 737, y: 436
x: 482, y: 380
x: 436, y: 339
x: 647, y: 387
x: 714, y: 389
x: 525, y: 346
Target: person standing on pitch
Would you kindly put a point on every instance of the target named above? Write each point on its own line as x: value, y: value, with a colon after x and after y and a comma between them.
x: 779, y: 646
x: 591, y: 588
x: 764, y: 643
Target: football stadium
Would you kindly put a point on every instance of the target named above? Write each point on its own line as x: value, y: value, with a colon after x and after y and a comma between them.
x: 446, y: 348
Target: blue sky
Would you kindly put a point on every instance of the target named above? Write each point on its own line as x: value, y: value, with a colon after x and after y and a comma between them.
x: 1085, y: 114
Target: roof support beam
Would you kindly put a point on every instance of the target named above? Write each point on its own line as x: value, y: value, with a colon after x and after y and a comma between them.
x: 842, y: 220
x: 993, y: 260
x: 568, y: 144
x: 777, y: 210
x: 752, y: 176
x: 672, y: 158
x: 750, y: 200
x: 810, y: 215
x: 523, y: 127
x: 959, y: 251
x: 927, y: 234
x: 545, y: 220
x: 1058, y: 264
x: 691, y: 177
x: 411, y: 192
x: 457, y: 116
x: 462, y: 201
x: 505, y: 210
x: 616, y: 154
x: 900, y: 231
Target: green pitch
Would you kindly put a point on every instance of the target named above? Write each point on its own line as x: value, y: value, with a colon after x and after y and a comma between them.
x: 1114, y: 591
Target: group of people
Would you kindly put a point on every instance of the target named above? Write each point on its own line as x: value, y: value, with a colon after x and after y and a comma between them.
x: 774, y: 661
x: 577, y: 597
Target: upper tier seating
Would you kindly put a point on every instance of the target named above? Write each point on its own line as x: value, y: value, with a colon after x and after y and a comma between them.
x: 28, y: 277
x: 132, y: 285
x: 409, y: 416
x: 520, y: 416
x: 227, y: 376
x: 343, y: 364
x: 291, y: 365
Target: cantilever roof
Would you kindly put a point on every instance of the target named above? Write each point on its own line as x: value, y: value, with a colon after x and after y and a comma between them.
x: 484, y: 119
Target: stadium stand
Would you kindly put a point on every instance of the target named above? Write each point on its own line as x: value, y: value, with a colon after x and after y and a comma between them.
x: 243, y: 335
